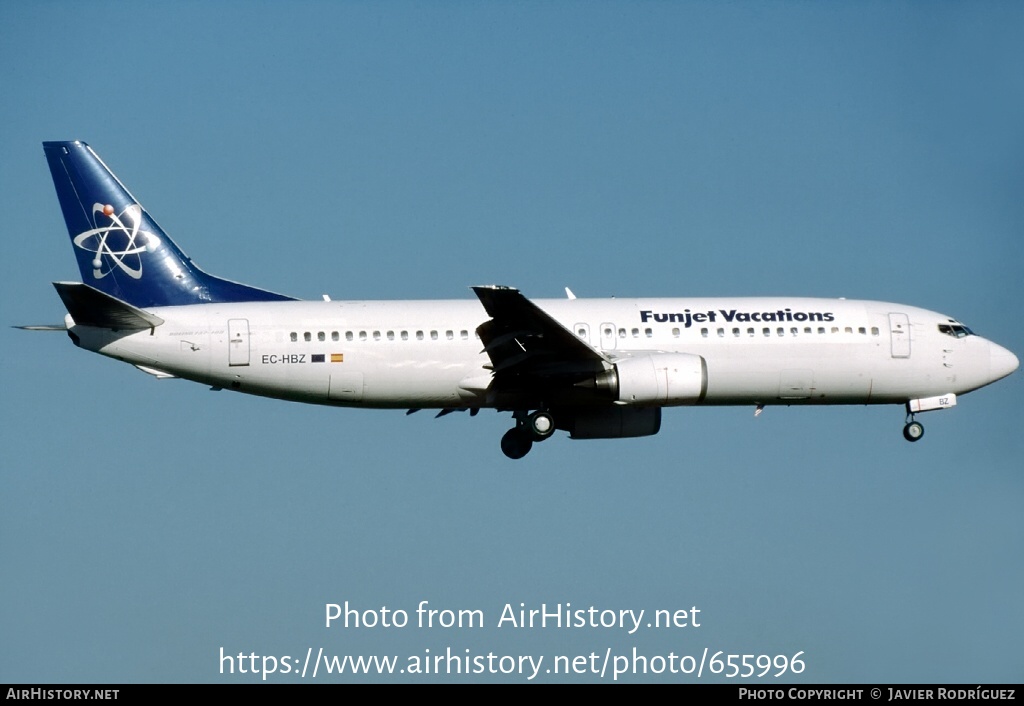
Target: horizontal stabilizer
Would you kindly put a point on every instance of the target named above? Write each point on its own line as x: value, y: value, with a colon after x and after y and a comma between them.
x: 43, y: 327
x: 91, y: 307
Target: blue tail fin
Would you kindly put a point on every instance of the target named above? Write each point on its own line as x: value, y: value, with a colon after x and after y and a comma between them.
x: 121, y: 251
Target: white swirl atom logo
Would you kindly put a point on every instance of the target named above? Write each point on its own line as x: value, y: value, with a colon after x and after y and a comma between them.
x: 125, y: 252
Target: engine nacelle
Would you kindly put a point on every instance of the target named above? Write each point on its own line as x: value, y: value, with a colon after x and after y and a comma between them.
x: 616, y: 422
x: 657, y: 379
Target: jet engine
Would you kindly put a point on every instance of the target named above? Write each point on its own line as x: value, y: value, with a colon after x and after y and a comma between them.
x: 656, y: 379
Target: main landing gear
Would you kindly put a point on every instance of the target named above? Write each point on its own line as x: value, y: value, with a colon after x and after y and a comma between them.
x: 529, y: 428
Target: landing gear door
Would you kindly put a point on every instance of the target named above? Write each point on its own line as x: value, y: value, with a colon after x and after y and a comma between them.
x: 899, y: 332
x: 238, y: 342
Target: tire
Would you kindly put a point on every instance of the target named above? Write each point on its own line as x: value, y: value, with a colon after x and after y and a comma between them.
x: 913, y: 431
x: 516, y: 443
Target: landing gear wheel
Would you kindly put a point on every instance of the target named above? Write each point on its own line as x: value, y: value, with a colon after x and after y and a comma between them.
x: 541, y: 425
x: 516, y: 443
x: 913, y: 431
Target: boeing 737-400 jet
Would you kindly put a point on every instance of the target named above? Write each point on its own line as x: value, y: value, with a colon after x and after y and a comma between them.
x: 595, y: 368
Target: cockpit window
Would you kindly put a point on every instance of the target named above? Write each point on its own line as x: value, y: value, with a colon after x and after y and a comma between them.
x: 955, y: 330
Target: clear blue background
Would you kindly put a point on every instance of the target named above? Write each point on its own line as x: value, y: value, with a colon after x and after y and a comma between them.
x: 410, y: 150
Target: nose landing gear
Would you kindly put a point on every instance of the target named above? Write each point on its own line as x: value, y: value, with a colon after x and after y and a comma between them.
x: 913, y: 431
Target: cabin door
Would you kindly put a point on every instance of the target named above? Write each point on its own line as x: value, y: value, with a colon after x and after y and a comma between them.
x: 899, y: 332
x: 238, y: 341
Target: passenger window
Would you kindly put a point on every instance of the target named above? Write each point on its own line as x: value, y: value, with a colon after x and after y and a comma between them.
x: 704, y: 332
x: 376, y: 335
x: 335, y: 336
x: 622, y: 332
x: 675, y: 332
x: 433, y: 335
x: 307, y: 336
x: 450, y: 335
x: 750, y: 331
x: 862, y: 330
x: 464, y: 334
x: 736, y: 332
x: 321, y: 336
x: 419, y: 335
x: 874, y: 330
x: 349, y: 336
x: 649, y: 333
x: 405, y: 335
x: 766, y: 331
x: 636, y: 333
x: 362, y: 335
x: 294, y: 337
x: 391, y: 335
x: 781, y: 331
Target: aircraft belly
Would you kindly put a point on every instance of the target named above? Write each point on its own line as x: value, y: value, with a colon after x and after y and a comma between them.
x: 415, y: 384
x: 345, y: 383
x: 831, y: 375
x: 729, y: 384
x: 778, y: 376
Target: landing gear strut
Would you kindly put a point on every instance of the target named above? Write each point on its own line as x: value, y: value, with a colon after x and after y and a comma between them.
x: 529, y: 428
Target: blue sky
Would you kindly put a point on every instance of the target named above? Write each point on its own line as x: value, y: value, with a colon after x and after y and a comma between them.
x: 411, y: 150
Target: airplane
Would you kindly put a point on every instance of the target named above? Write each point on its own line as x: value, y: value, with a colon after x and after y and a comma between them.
x: 595, y: 368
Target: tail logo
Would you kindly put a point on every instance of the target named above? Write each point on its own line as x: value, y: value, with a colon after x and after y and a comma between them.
x: 119, y: 244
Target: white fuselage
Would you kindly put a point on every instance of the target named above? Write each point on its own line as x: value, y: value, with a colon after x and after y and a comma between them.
x: 426, y: 354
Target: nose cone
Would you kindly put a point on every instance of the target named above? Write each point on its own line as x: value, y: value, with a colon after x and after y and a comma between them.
x: 1003, y: 362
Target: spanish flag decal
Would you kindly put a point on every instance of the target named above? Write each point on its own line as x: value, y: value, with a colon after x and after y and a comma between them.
x: 337, y: 357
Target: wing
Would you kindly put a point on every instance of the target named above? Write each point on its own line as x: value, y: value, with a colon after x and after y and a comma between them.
x: 530, y: 351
